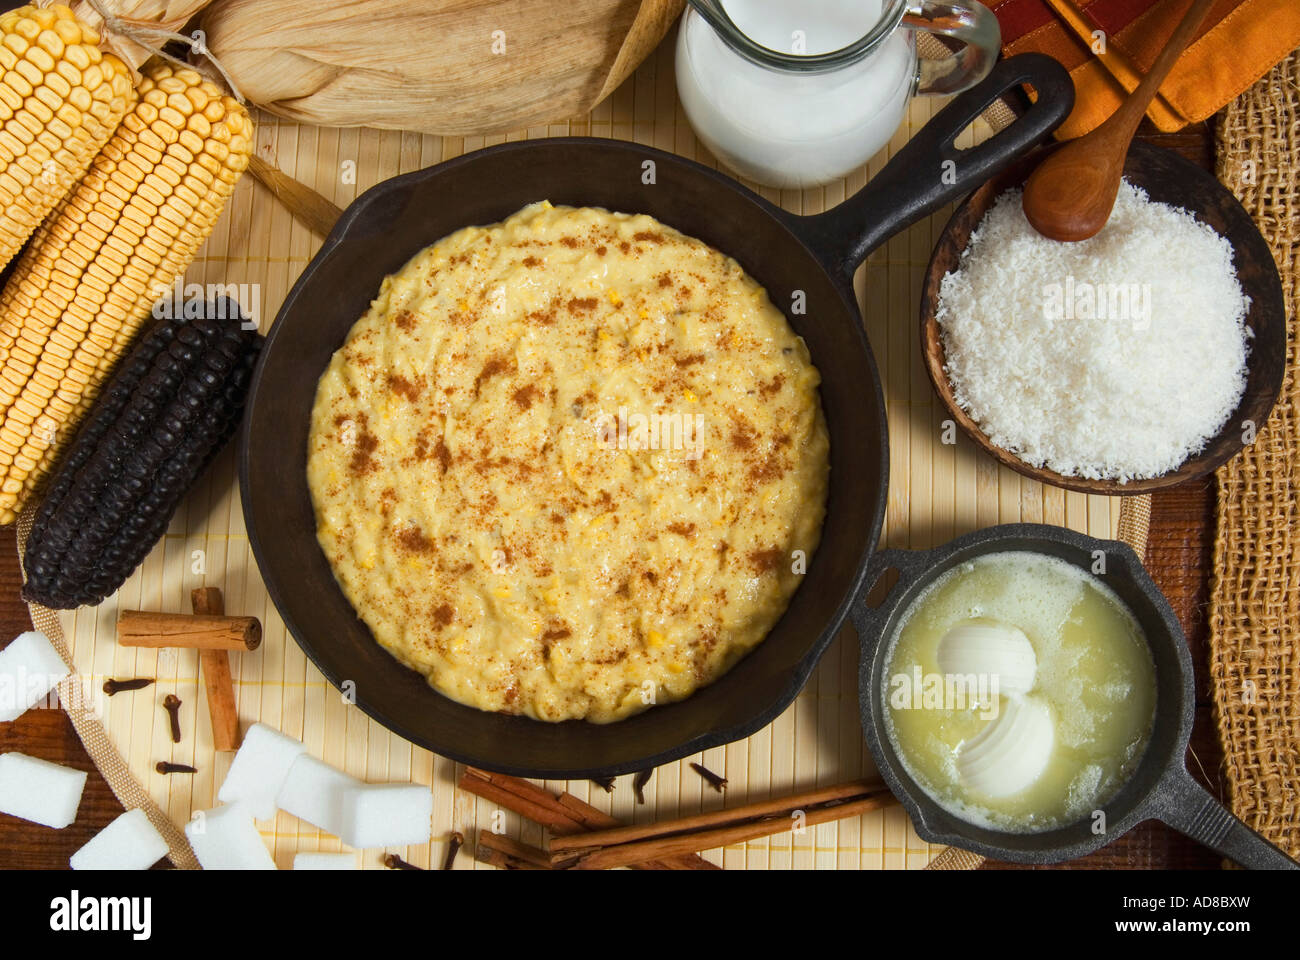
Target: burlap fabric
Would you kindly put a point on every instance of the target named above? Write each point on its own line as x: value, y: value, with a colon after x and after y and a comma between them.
x: 1255, y: 595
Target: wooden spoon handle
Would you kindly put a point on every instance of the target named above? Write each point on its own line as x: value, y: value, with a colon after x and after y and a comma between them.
x: 1132, y: 109
x: 309, y: 207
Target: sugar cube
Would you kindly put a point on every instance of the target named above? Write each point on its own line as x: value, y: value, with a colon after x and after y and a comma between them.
x: 387, y: 814
x: 325, y: 861
x: 225, y: 838
x: 30, y: 668
x: 128, y: 843
x: 259, y: 770
x: 313, y: 791
x: 39, y: 791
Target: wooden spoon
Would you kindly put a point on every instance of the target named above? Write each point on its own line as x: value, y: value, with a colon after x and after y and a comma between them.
x: 1070, y: 195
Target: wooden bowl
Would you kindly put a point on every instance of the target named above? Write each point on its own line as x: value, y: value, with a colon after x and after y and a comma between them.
x: 1168, y: 178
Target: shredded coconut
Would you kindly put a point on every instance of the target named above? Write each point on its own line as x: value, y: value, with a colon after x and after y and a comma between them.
x: 1114, y: 358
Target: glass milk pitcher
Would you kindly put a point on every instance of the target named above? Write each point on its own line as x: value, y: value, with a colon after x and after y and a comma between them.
x: 795, y: 93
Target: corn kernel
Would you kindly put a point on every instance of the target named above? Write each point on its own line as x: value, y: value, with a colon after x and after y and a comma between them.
x: 98, y: 296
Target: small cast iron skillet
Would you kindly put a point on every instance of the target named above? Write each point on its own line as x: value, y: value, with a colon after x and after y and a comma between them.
x: 785, y: 253
x: 1160, y: 787
x: 1167, y: 178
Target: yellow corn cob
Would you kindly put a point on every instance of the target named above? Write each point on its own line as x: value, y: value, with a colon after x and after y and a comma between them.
x: 60, y: 100
x: 110, y: 249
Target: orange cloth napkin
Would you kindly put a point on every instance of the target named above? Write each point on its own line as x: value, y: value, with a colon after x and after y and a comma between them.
x: 1107, y: 45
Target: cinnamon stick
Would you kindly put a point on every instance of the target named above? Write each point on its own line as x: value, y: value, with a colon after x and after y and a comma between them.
x: 594, y: 819
x: 562, y: 815
x: 519, y: 787
x: 679, y: 844
x: 590, y: 817
x: 142, y: 628
x: 519, y: 851
x: 214, y: 666
x: 504, y: 861
x: 547, y: 814
x: 714, y: 818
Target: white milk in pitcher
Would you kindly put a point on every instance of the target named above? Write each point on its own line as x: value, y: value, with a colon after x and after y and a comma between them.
x: 777, y: 125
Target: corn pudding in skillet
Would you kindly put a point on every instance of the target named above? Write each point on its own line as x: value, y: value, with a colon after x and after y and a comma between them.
x: 569, y: 466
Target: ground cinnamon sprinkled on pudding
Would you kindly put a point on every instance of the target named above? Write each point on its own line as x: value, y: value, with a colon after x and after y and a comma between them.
x: 568, y: 477
x: 524, y: 396
x: 407, y: 388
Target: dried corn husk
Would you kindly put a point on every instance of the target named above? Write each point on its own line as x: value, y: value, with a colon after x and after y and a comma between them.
x: 433, y: 65
x: 171, y: 15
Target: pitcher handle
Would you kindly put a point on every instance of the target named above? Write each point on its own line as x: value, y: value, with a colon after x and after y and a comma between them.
x: 969, y: 22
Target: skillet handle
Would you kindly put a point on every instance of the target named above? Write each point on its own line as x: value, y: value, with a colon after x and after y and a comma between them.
x: 931, y: 171
x: 870, y: 621
x: 1194, y: 812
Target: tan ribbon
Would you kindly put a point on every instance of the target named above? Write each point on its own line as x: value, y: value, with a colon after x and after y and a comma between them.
x: 93, y: 736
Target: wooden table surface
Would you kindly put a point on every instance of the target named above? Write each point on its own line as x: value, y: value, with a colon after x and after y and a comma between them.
x: 1179, y: 556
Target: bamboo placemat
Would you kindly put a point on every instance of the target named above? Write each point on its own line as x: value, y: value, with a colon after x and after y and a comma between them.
x: 1255, y: 596
x: 937, y: 491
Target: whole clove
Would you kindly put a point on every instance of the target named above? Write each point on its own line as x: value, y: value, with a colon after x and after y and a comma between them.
x: 121, y: 686
x: 605, y: 783
x: 172, y: 704
x: 393, y: 862
x: 454, y: 843
x: 165, y: 767
x: 716, y: 782
x: 639, y: 782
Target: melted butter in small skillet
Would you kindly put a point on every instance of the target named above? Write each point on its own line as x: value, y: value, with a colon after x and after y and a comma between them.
x: 491, y: 496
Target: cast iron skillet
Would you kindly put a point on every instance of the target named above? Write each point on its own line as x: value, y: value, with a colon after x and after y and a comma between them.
x: 1160, y: 787
x: 817, y: 255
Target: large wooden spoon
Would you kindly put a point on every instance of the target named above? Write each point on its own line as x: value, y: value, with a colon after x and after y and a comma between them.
x: 1070, y: 195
